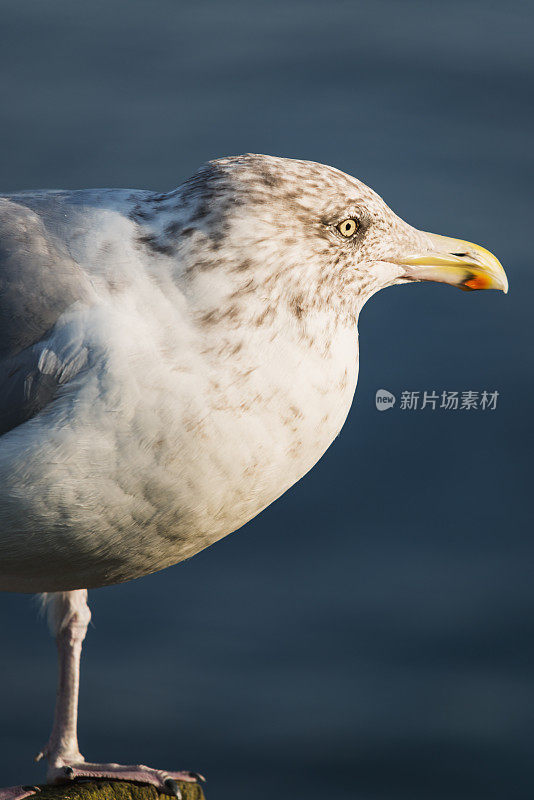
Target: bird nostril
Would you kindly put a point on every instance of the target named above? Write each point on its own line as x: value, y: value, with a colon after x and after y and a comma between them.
x: 460, y: 255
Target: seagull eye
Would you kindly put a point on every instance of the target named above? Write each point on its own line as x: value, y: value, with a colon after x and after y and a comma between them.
x: 348, y: 227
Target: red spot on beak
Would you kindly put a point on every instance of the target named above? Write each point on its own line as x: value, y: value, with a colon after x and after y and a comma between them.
x: 479, y: 282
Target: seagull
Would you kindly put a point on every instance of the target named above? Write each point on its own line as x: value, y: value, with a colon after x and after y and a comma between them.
x: 170, y: 364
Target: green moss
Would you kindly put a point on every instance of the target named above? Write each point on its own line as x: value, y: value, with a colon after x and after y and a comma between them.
x: 113, y: 790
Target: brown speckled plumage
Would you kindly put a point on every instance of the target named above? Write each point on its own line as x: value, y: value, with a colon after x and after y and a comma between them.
x: 191, y: 356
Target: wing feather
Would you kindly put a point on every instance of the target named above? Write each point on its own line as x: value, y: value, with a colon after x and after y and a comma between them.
x: 39, y: 281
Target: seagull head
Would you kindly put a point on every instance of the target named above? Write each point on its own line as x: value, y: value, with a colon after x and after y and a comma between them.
x: 316, y: 237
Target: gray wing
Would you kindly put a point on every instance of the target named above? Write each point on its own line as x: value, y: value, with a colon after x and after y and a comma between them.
x: 38, y: 283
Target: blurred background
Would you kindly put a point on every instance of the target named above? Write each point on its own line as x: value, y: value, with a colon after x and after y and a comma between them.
x: 371, y: 634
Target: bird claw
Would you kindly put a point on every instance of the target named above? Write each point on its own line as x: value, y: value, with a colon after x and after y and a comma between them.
x: 172, y: 787
x: 197, y: 776
x: 167, y: 782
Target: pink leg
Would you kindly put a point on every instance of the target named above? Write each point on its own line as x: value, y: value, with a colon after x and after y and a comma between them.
x: 69, y: 616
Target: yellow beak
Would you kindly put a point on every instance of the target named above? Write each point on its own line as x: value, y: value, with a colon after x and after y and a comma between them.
x: 457, y: 262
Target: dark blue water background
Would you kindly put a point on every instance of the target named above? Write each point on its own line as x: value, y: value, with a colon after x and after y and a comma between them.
x: 371, y: 634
